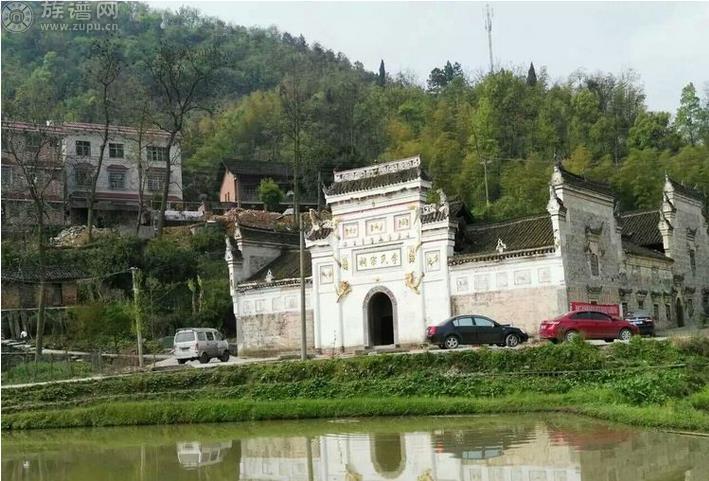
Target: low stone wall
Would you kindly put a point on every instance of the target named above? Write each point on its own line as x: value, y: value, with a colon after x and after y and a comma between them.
x: 523, y: 308
x: 271, y: 334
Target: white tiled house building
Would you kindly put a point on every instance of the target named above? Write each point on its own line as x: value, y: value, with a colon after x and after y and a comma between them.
x: 386, y: 264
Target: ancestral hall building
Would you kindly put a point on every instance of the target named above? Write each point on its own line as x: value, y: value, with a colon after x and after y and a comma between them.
x: 382, y: 263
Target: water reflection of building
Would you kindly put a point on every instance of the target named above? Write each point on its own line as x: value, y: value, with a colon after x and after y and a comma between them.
x: 508, y: 455
x: 193, y: 455
x: 587, y: 452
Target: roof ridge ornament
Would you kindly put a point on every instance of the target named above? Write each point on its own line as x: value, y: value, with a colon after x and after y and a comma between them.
x: 501, y: 246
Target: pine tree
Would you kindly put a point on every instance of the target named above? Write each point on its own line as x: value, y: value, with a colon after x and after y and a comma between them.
x: 382, y: 75
x: 531, y: 75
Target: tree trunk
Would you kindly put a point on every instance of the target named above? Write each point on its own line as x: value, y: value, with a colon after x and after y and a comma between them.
x: 39, y: 337
x: 94, y: 178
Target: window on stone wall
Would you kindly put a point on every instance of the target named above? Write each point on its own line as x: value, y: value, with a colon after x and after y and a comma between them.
x: 705, y: 302
x: 641, y: 305
x: 690, y: 307
x: 656, y: 311
x: 624, y: 306
x: 668, y: 312
x: 692, y: 261
x: 594, y: 264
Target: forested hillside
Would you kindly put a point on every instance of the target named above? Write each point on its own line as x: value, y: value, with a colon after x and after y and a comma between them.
x: 490, y: 140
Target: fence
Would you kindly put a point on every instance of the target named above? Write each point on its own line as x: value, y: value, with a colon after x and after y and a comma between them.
x: 19, y: 367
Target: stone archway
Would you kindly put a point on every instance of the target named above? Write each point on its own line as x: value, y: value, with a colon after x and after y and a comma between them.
x: 388, y: 454
x: 380, y: 318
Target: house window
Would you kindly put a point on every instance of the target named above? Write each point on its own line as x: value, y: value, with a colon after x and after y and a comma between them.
x: 83, y: 148
x: 117, y: 180
x: 156, y: 181
x: 83, y: 175
x: 33, y: 142
x: 594, y: 264
x: 157, y: 154
x: 656, y: 311
x: 641, y: 304
x: 692, y: 261
x: 668, y: 312
x: 7, y: 176
x: 115, y: 151
x: 624, y: 307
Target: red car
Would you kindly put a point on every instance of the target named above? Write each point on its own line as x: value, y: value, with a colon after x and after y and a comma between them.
x: 587, y: 324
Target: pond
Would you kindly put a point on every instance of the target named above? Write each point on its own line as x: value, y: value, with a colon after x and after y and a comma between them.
x: 486, y: 448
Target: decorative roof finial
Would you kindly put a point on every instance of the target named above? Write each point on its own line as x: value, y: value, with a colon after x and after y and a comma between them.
x: 269, y: 276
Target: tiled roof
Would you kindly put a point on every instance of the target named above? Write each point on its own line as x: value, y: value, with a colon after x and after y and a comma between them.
x: 686, y: 191
x: 257, y: 168
x: 270, y: 236
x: 51, y: 274
x: 260, y: 220
x: 456, y: 209
x: 633, y: 248
x: 373, y: 182
x: 641, y: 227
x: 285, y: 266
x: 517, y: 234
x: 584, y: 183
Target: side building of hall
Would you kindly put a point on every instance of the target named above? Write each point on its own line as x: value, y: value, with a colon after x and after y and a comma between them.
x: 382, y: 263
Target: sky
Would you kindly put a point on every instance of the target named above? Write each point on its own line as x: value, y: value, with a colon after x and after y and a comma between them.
x: 666, y: 44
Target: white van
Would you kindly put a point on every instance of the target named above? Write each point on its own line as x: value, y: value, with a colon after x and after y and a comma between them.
x: 200, y: 343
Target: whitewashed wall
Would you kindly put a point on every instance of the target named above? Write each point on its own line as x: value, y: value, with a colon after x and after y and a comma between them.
x: 522, y: 291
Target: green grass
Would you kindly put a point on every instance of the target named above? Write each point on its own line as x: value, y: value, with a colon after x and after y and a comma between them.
x: 45, y: 371
x: 218, y: 411
x: 657, y: 384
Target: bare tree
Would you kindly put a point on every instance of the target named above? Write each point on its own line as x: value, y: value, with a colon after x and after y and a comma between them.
x: 183, y: 79
x: 32, y: 150
x: 104, y: 69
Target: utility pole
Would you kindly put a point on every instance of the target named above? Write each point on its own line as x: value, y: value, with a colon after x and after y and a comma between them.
x: 488, y: 26
x: 487, y: 192
x: 138, y: 325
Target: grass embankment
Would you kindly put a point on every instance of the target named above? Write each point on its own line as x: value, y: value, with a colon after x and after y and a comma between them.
x: 656, y: 384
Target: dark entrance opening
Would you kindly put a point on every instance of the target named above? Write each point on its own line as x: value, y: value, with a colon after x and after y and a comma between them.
x: 680, y: 314
x: 381, y: 320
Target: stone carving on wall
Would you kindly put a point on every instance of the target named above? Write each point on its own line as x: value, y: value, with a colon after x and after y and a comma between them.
x: 480, y: 282
x: 461, y: 284
x: 412, y: 282
x: 345, y: 264
x: 544, y: 275
x: 343, y: 288
x: 350, y: 230
x: 522, y: 278
x: 377, y: 260
x: 376, y: 226
x: 413, y: 251
x: 326, y: 274
x: 372, y: 171
x: 433, y: 261
x: 501, y: 279
x: 402, y: 222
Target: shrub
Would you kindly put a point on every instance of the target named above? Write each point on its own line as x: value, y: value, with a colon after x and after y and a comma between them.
x: 655, y: 387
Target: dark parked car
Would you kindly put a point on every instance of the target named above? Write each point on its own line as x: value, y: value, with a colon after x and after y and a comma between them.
x: 644, y: 322
x: 587, y: 324
x: 474, y: 329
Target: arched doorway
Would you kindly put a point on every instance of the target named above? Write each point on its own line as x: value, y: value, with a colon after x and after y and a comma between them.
x: 388, y: 454
x: 380, y: 326
x: 680, y: 313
